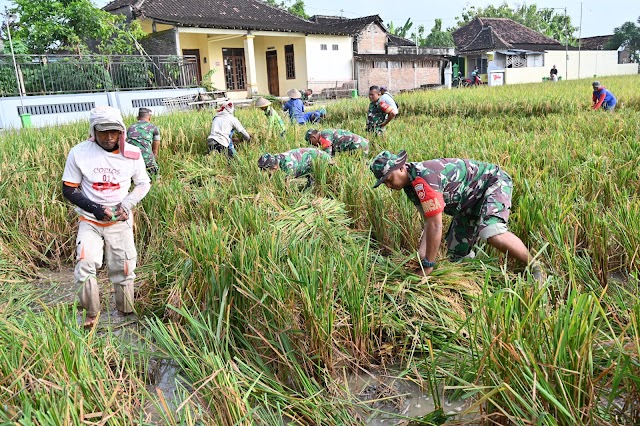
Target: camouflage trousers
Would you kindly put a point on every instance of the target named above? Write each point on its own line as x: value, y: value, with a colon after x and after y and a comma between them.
x: 491, y: 219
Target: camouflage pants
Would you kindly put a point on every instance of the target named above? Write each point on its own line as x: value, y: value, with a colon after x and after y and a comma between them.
x: 491, y: 220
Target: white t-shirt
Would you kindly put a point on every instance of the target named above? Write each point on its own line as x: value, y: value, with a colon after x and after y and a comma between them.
x: 104, y: 177
x: 389, y: 100
x: 222, y: 126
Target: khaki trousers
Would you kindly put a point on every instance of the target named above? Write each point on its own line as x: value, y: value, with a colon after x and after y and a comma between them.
x: 114, y: 243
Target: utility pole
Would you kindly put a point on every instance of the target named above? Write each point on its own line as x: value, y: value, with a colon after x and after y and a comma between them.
x: 580, y: 40
x: 8, y: 20
x: 566, y: 47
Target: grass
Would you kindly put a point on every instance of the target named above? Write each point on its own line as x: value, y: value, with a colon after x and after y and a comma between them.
x: 262, y: 293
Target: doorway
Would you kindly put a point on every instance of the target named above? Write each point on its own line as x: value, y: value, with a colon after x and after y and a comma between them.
x: 272, y: 72
x: 196, y: 53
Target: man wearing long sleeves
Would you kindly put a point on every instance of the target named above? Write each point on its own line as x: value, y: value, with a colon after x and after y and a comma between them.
x: 602, y: 98
x: 96, y: 178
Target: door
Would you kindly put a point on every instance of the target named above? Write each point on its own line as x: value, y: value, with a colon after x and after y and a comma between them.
x: 272, y: 72
x: 196, y: 53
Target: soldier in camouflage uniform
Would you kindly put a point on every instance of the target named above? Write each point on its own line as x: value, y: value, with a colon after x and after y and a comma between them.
x: 295, y: 163
x: 336, y: 140
x: 146, y: 136
x: 476, y: 194
x: 380, y: 112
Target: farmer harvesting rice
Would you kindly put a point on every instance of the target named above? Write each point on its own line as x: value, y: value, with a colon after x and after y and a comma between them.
x: 380, y: 112
x: 476, y: 194
x: 602, y: 97
x: 146, y: 136
x: 275, y: 122
x: 336, y: 140
x: 295, y: 107
x: 295, y: 163
x: 96, y: 178
x: 222, y: 127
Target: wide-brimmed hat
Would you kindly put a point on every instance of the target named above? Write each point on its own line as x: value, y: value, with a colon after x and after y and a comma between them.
x: 294, y: 94
x: 385, y: 163
x: 267, y: 161
x: 262, y: 102
x: 596, y: 84
x: 307, y: 136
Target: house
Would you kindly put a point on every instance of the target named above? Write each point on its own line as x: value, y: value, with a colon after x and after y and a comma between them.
x: 246, y: 47
x: 381, y: 58
x: 601, y: 43
x: 524, y: 55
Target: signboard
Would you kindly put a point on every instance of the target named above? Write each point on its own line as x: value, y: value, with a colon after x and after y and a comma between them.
x: 496, y: 78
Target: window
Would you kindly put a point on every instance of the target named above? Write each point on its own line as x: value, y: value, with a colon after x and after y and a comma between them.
x: 482, y: 65
x: 335, y: 47
x: 289, y: 61
x: 234, y: 69
x: 323, y: 47
x: 380, y: 64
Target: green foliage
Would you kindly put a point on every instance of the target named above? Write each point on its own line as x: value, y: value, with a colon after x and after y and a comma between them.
x: 400, y: 31
x: 51, y: 26
x: 547, y: 21
x: 628, y: 36
x: 295, y: 7
x: 436, y: 38
x: 206, y: 80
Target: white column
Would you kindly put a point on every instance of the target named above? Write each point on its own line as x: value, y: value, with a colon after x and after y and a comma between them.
x: 447, y: 75
x: 250, y: 63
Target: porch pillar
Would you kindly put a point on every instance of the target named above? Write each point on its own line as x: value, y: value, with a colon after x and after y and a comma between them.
x: 250, y: 61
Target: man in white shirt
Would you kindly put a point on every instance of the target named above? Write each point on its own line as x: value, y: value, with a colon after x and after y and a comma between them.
x: 96, y: 178
x: 386, y: 97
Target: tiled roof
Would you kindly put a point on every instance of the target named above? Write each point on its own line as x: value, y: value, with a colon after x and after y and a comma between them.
x: 595, y: 43
x: 225, y: 14
x: 395, y: 40
x: 351, y: 26
x: 484, y: 34
x: 407, y: 58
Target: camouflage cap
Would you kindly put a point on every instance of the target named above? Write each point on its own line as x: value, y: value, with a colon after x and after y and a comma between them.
x: 267, y: 161
x: 307, y: 135
x: 385, y: 163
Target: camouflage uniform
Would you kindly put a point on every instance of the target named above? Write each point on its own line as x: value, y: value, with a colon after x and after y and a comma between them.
x: 142, y: 134
x: 298, y: 162
x: 275, y: 121
x: 338, y: 140
x: 376, y: 115
x: 476, y: 194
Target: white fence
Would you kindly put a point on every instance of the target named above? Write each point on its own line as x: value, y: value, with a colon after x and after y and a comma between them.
x: 49, y: 110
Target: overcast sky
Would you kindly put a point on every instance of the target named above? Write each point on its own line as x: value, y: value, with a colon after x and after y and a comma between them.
x: 599, y: 17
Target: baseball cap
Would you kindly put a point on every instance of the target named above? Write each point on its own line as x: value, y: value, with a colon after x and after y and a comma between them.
x: 267, y: 161
x: 103, y: 127
x: 385, y: 163
x: 307, y: 135
x: 596, y: 84
x: 384, y: 88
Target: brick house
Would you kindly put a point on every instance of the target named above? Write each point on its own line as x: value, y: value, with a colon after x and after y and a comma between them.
x: 601, y: 43
x: 381, y: 58
x: 251, y: 47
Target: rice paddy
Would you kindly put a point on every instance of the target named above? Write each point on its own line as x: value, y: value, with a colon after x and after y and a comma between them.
x: 266, y: 299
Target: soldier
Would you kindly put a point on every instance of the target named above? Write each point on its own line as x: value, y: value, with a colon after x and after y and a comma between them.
x: 295, y: 163
x: 274, y: 120
x: 336, y: 140
x: 380, y: 112
x: 146, y: 136
x: 476, y: 194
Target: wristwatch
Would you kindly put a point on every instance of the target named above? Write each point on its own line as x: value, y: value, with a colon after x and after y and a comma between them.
x: 425, y: 263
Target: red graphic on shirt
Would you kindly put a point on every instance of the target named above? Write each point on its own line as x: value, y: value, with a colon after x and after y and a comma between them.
x: 432, y: 201
x: 106, y: 186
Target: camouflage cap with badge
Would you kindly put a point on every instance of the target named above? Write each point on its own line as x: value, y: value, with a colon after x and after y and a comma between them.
x: 307, y: 136
x: 267, y: 161
x: 385, y: 163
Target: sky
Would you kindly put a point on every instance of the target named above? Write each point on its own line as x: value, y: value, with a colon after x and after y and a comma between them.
x: 599, y: 17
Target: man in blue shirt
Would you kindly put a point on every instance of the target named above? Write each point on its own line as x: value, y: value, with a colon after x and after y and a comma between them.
x: 295, y: 107
x: 602, y: 97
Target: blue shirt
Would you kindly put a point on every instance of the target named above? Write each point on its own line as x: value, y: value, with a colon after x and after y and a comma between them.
x: 295, y: 107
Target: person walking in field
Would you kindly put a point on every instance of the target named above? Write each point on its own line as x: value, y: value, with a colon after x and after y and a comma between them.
x: 295, y: 107
x: 275, y: 122
x: 380, y: 113
x: 476, y: 194
x: 96, y: 178
x: 602, y: 98
x: 295, y: 163
x: 146, y: 136
x: 336, y: 140
x: 223, y: 125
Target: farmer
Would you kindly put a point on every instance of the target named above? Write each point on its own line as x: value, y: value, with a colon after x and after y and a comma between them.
x: 274, y: 120
x: 602, y: 97
x: 476, y: 194
x: 380, y: 112
x: 295, y: 163
x: 553, y: 74
x: 336, y: 140
x: 295, y: 108
x: 385, y: 96
x: 146, y: 136
x: 222, y: 127
x: 96, y: 178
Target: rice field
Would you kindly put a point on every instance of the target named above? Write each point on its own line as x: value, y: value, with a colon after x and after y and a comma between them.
x: 265, y: 298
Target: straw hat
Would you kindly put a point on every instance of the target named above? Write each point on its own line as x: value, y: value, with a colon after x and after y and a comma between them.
x: 294, y: 94
x: 262, y: 102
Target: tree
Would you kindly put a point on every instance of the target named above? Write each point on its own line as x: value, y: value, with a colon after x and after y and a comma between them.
x: 628, y: 36
x: 544, y: 20
x: 438, y: 37
x: 400, y: 31
x: 55, y: 26
x: 296, y: 8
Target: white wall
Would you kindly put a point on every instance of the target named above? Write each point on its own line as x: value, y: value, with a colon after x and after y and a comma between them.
x: 262, y: 44
x: 592, y: 64
x: 124, y: 101
x: 325, y: 65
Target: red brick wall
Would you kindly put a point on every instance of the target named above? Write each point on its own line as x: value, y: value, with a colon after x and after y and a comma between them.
x: 395, y: 79
x: 372, y: 39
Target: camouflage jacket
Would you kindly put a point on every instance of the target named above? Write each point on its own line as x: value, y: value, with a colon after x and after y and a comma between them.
x: 461, y: 182
x: 142, y: 134
x: 298, y: 162
x: 338, y: 140
x: 377, y: 114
